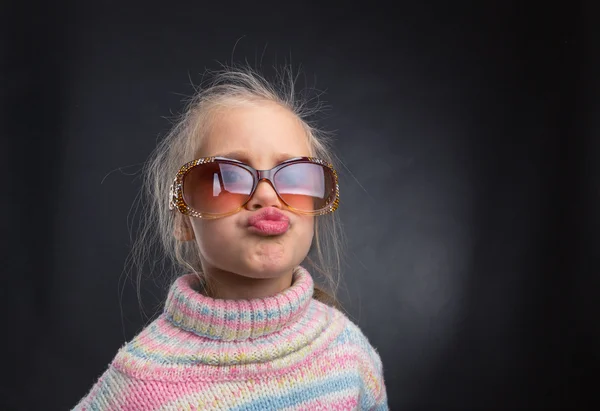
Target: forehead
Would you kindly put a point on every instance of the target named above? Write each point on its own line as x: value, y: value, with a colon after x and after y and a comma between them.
x: 260, y: 134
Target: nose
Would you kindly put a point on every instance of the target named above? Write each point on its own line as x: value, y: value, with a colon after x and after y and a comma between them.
x: 264, y: 196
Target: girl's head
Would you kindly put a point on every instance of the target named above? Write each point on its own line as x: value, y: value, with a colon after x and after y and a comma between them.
x: 240, y: 115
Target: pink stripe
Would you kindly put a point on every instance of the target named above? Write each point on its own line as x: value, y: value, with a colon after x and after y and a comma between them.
x: 245, y: 326
x: 149, y: 344
x: 210, y: 320
x: 327, y: 364
x: 185, y: 305
x: 140, y: 396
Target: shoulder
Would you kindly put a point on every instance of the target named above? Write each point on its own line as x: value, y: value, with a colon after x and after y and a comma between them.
x: 356, y: 350
x: 107, y: 392
x: 353, y: 341
x: 352, y: 335
x: 115, y: 385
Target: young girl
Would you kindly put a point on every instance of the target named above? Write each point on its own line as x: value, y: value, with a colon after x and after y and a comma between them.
x: 243, y: 186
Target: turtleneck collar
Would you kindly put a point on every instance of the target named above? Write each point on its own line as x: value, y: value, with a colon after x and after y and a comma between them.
x: 198, y: 338
x: 236, y: 320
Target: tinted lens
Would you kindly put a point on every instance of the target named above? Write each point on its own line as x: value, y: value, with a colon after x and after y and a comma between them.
x: 217, y: 187
x: 306, y: 186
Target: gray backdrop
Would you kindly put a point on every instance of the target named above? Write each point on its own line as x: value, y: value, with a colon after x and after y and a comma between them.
x: 470, y: 198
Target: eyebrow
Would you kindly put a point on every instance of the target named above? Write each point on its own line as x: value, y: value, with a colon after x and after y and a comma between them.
x: 244, y: 156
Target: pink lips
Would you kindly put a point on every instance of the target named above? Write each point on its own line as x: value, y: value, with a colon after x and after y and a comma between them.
x: 269, y: 221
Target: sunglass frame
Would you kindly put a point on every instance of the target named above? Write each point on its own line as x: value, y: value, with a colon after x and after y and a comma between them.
x: 177, y: 202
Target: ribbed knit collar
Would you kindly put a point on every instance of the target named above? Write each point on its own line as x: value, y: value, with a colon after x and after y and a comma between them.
x: 198, y: 338
x: 236, y: 320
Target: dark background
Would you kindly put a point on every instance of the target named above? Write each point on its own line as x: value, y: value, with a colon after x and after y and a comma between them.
x: 470, y: 202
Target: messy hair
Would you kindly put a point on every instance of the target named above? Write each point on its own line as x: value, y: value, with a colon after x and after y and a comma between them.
x: 227, y: 87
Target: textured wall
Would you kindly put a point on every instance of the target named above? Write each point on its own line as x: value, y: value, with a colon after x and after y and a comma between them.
x: 469, y: 200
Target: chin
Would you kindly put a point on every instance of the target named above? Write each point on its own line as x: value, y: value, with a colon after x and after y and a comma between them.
x: 268, y: 269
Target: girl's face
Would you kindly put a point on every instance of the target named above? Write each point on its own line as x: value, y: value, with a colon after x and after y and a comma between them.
x: 261, y: 135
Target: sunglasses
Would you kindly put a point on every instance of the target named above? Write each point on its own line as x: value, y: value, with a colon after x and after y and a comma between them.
x: 213, y: 187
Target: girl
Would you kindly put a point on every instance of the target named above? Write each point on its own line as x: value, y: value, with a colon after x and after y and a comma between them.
x: 242, y: 187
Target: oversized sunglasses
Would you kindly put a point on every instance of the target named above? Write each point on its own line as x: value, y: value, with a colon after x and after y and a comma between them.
x: 213, y: 187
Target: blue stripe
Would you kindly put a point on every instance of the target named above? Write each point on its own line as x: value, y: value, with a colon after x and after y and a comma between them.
x: 141, y: 352
x: 309, y: 310
x: 191, y: 359
x: 259, y: 314
x: 317, y: 389
x: 246, y: 315
x: 106, y: 393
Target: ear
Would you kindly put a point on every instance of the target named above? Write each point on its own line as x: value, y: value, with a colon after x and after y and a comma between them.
x: 182, y: 229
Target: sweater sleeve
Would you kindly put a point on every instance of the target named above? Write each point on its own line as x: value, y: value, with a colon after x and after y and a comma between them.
x: 371, y: 369
x: 380, y: 393
x: 375, y: 381
x: 106, y: 393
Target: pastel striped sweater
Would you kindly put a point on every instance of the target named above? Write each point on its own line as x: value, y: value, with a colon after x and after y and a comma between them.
x: 284, y: 352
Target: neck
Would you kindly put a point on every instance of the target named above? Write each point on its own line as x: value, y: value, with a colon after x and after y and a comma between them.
x: 225, y: 285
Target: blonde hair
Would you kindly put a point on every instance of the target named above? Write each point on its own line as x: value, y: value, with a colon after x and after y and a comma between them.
x: 229, y: 86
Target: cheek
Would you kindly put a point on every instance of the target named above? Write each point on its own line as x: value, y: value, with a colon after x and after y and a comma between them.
x: 214, y: 237
x: 222, y: 244
x: 305, y: 230
x: 309, y: 223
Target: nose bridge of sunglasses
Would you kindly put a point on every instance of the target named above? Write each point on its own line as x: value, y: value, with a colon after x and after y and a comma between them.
x: 266, y: 176
x: 268, y: 181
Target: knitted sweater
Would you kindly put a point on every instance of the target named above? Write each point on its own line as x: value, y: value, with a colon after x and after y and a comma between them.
x: 288, y: 351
